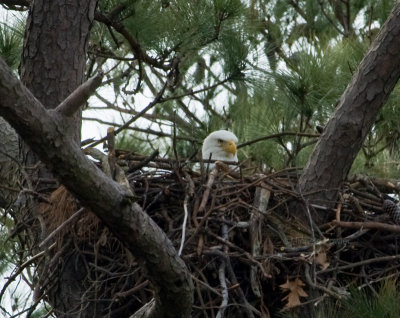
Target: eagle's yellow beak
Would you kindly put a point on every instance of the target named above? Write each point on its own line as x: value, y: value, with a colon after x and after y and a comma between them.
x: 229, y: 146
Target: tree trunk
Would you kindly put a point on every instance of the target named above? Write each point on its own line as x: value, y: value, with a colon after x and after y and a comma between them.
x: 110, y: 201
x: 9, y: 165
x: 48, y: 70
x: 54, y: 58
x: 53, y: 66
x: 354, y: 117
x: 55, y: 51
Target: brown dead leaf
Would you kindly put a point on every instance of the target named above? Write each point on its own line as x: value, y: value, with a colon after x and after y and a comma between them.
x: 268, y: 246
x: 322, y: 260
x: 295, y: 289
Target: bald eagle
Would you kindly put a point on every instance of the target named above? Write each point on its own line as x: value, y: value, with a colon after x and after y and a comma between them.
x: 220, y: 145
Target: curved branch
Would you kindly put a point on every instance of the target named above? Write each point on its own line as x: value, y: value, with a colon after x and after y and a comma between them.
x: 155, y: 101
x: 285, y: 133
x: 43, y: 130
x: 134, y: 44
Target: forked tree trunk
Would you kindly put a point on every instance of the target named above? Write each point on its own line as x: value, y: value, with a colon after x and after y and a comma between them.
x: 333, y: 155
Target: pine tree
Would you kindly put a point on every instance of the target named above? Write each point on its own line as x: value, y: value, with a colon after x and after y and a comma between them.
x: 270, y: 71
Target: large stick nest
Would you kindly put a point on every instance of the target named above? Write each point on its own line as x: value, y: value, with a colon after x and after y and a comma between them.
x: 247, y: 240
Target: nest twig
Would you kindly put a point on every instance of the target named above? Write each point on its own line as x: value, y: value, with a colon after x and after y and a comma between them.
x: 237, y: 235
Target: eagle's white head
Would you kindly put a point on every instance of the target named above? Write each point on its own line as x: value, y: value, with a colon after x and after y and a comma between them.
x: 220, y: 145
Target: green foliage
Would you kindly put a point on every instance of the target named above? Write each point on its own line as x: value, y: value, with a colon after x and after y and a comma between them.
x: 328, y: 308
x: 365, y: 303
x: 189, y: 25
x: 374, y: 10
x: 39, y: 313
x: 137, y: 142
x: 294, y: 100
x: 288, y: 64
x: 11, y: 37
x: 5, y: 250
x: 7, y: 243
x: 234, y: 53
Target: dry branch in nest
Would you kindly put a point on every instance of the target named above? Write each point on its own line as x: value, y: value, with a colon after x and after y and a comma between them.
x: 249, y: 254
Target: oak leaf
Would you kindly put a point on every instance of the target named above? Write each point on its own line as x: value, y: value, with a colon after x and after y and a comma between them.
x: 295, y: 288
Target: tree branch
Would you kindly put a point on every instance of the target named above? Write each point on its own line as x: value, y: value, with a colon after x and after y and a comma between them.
x: 155, y: 101
x: 110, y: 201
x: 369, y: 225
x: 285, y: 133
x: 134, y: 44
x: 79, y: 96
x: 353, y: 118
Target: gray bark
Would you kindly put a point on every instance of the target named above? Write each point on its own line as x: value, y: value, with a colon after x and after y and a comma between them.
x: 43, y: 130
x: 54, y: 52
x: 9, y: 165
x: 354, y: 117
x: 52, y: 67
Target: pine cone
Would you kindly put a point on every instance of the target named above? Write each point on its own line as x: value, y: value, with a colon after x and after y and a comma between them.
x: 392, y: 209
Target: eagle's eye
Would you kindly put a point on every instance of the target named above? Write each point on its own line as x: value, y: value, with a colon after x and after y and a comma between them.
x: 220, y: 141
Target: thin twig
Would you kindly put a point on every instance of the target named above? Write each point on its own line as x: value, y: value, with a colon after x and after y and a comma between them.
x: 286, y: 133
x: 222, y: 275
x: 71, y: 219
x: 22, y: 267
x: 369, y: 225
x: 361, y: 263
x: 155, y: 101
x: 194, y: 92
x: 313, y: 284
x: 329, y: 19
x: 143, y: 162
x: 134, y: 44
x: 210, y: 182
x: 185, y: 209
